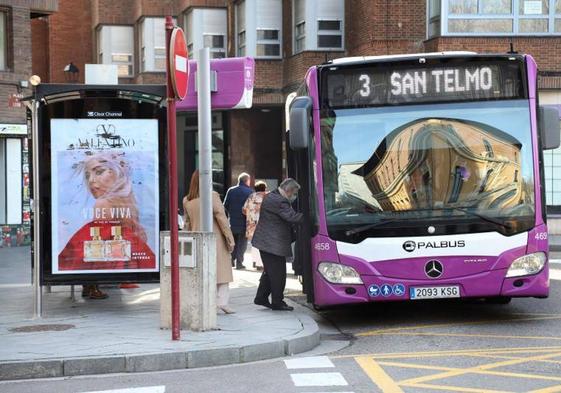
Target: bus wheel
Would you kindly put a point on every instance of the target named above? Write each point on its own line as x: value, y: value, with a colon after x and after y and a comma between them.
x: 318, y: 308
x: 498, y: 300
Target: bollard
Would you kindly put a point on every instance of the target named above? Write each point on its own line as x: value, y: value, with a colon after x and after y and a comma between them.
x: 197, y: 280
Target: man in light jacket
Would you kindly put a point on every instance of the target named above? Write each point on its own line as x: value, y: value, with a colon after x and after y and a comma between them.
x: 273, y: 239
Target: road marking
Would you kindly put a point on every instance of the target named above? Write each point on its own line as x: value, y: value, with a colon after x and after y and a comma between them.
x: 318, y: 379
x: 378, y: 375
x: 15, y: 285
x: 483, y: 367
x: 146, y: 389
x: 481, y: 355
x: 481, y: 372
x: 555, y: 261
x: 549, y: 338
x: 450, y: 388
x: 309, y: 362
x: 551, y: 389
x: 460, y: 352
x: 469, y: 323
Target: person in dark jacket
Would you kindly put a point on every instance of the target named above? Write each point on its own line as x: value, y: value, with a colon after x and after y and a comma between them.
x: 233, y: 203
x: 273, y: 239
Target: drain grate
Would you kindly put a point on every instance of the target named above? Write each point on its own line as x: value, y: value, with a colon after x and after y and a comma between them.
x: 42, y: 328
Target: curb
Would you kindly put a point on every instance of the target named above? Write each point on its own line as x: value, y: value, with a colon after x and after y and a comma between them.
x: 305, y: 340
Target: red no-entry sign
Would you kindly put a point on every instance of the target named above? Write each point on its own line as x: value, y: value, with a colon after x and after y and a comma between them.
x: 179, y: 63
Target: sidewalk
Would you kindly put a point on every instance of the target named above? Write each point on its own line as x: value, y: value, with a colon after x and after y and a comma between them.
x: 122, y: 334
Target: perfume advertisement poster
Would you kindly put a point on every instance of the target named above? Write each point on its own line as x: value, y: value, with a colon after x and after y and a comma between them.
x: 104, y: 195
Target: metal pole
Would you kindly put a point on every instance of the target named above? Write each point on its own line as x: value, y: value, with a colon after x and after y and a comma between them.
x: 172, y: 171
x: 205, y: 138
x: 38, y: 294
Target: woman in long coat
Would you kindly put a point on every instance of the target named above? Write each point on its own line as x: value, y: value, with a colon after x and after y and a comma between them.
x: 224, y: 238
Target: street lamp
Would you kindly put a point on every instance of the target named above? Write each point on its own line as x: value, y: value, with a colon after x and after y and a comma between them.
x: 71, y: 72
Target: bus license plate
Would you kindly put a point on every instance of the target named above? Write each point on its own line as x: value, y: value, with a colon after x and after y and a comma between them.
x: 434, y: 292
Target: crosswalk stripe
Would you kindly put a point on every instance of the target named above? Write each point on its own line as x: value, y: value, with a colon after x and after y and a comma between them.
x: 146, y: 389
x: 309, y: 362
x: 318, y: 379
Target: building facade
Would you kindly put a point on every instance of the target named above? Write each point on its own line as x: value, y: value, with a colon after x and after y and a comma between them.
x: 20, y: 22
x: 286, y: 37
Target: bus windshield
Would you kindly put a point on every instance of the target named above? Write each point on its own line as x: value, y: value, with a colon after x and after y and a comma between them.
x: 395, y: 170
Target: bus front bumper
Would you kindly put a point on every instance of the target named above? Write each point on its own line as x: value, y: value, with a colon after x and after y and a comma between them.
x: 379, y: 288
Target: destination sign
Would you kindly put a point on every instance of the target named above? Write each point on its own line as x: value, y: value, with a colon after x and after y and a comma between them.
x: 376, y: 85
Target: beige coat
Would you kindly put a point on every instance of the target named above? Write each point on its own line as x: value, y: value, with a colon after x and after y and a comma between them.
x: 224, y: 237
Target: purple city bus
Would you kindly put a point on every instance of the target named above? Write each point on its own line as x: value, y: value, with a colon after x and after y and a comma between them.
x: 422, y: 178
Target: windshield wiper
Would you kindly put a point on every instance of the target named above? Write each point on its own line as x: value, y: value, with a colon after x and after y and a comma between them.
x: 483, y: 217
x: 363, y: 228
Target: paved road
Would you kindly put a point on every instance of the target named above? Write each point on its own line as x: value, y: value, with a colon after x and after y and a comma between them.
x: 408, y: 347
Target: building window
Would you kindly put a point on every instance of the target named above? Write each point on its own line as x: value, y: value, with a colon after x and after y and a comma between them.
x: 259, y: 28
x: 153, y: 45
x: 268, y: 43
x: 330, y: 34
x: 216, y: 44
x: 3, y: 41
x: 494, y: 17
x: 433, y: 25
x: 300, y: 36
x: 240, y: 29
x: 299, y: 25
x: 318, y: 25
x: 207, y: 28
x: 115, y: 46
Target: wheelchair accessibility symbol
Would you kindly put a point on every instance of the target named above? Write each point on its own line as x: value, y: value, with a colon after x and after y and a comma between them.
x: 399, y: 289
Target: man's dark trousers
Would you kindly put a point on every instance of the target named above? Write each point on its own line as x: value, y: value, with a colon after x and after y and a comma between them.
x: 239, y: 249
x: 273, y: 278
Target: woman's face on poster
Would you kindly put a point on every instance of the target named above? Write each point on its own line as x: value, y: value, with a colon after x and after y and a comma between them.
x: 100, y: 178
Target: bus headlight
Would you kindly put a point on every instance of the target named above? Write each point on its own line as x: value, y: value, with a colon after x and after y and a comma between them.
x: 336, y: 273
x: 527, y: 265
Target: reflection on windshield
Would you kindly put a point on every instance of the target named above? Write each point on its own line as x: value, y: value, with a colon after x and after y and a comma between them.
x: 431, y: 163
x: 379, y: 165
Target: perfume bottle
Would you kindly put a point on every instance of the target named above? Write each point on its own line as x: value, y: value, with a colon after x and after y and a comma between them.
x: 94, y: 249
x: 117, y: 249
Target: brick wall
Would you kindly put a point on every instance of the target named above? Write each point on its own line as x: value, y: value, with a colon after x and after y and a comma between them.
x: 71, y: 38
x: 546, y: 50
x: 19, y: 61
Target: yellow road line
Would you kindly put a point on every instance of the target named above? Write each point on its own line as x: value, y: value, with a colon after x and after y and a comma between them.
x: 551, y: 389
x: 482, y: 355
x: 549, y: 338
x: 470, y: 323
x: 480, y: 372
x: 378, y: 375
x: 469, y: 370
x: 453, y: 388
x: 459, y: 352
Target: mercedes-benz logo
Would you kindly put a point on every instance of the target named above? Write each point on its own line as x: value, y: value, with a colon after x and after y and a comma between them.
x: 433, y: 269
x: 409, y: 246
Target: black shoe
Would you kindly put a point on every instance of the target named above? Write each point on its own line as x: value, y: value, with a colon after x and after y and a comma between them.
x: 282, y: 307
x: 240, y: 267
x: 263, y: 302
x: 233, y: 263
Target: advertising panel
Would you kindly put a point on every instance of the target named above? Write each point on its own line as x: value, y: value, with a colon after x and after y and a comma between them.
x: 104, y: 195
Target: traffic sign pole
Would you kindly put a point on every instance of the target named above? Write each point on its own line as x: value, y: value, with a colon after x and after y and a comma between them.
x: 172, y: 180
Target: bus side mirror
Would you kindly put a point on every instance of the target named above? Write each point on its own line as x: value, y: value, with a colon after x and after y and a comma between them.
x: 299, y: 131
x: 549, y: 128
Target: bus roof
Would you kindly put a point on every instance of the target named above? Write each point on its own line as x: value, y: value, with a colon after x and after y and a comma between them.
x: 355, y: 59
